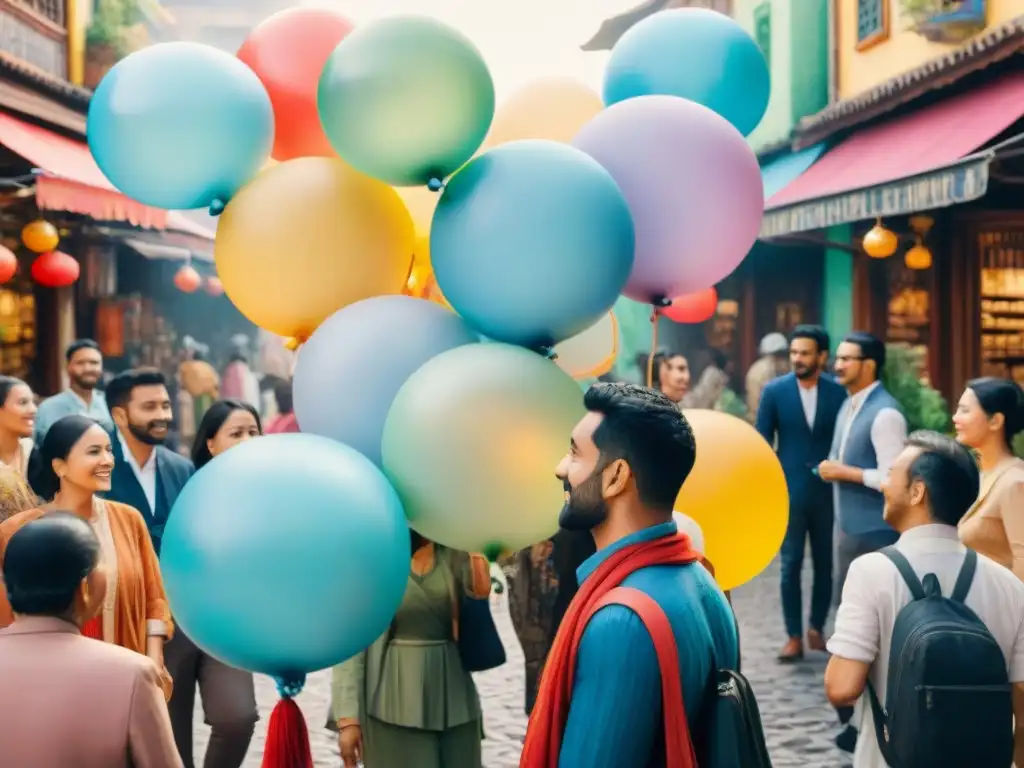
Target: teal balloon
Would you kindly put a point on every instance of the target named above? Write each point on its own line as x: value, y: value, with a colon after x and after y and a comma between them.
x: 532, y: 243
x: 286, y: 554
x: 180, y: 125
x: 406, y: 100
x: 696, y: 54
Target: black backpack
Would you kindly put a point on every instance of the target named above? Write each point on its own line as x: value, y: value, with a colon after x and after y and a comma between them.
x: 948, y: 698
x: 733, y: 736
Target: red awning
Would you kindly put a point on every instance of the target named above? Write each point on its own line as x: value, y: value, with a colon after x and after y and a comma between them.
x: 70, y: 179
x: 913, y: 144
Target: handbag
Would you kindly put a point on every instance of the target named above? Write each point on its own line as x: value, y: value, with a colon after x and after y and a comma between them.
x: 480, y: 646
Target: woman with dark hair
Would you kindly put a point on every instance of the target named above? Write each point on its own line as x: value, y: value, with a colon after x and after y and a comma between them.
x: 285, y: 420
x: 17, y: 423
x: 989, y: 414
x: 76, y: 460
x: 225, y: 424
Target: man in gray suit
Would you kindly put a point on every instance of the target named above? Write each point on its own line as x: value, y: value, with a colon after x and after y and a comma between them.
x: 871, y: 432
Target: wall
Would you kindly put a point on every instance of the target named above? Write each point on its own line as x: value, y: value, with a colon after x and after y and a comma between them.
x: 797, y: 50
x: 899, y: 51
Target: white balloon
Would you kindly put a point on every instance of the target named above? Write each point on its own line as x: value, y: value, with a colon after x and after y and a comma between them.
x: 691, y: 528
x: 590, y: 353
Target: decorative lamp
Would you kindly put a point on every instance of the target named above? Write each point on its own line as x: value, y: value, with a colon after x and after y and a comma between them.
x: 187, y: 280
x: 40, y: 236
x: 8, y: 264
x: 879, y: 242
x: 55, y: 270
x: 918, y: 257
x: 214, y: 286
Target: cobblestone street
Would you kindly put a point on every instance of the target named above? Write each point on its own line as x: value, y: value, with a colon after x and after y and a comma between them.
x: 798, y: 721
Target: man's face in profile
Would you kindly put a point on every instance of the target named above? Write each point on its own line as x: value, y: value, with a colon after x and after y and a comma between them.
x: 582, y: 477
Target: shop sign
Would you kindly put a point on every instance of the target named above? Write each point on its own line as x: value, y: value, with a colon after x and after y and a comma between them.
x: 24, y: 42
x: 937, y: 189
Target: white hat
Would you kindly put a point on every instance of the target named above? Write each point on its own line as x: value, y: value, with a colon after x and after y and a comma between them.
x: 774, y: 344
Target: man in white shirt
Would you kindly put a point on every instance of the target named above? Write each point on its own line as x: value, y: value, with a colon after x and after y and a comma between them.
x: 931, y: 485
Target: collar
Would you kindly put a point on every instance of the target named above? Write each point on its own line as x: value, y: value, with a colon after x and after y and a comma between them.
x: 933, y: 531
x: 645, y: 534
x: 129, y: 457
x: 38, y: 625
x: 97, y: 397
x: 856, y: 401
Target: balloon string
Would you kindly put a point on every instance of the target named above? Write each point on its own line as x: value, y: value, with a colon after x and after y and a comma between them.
x: 655, y: 313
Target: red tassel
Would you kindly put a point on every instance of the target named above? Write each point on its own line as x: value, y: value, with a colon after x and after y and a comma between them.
x: 287, y: 738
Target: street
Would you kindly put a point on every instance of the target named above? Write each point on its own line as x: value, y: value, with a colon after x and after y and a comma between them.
x: 798, y: 722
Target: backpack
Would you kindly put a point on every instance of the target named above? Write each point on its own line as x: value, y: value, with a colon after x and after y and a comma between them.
x: 948, y: 698
x: 729, y: 734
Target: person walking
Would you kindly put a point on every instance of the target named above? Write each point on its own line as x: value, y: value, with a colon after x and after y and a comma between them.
x: 797, y: 415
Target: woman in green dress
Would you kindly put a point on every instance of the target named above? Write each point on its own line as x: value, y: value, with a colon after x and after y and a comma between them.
x: 406, y: 700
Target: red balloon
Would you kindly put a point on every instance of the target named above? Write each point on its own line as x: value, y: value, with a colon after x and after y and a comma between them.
x: 55, y: 270
x: 288, y: 52
x: 693, y: 307
x: 187, y: 279
x: 8, y: 264
x: 214, y: 286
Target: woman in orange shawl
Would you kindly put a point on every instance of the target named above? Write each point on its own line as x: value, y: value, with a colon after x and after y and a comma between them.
x: 76, y: 462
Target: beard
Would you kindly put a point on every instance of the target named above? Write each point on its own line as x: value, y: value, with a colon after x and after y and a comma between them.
x: 585, y: 509
x: 144, y: 432
x: 805, y: 372
x: 86, y: 383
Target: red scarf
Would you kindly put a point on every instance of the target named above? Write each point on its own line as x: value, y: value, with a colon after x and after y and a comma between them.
x: 93, y: 628
x: 544, y: 734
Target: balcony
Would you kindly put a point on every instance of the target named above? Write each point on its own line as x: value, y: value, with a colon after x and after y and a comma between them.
x: 33, y: 32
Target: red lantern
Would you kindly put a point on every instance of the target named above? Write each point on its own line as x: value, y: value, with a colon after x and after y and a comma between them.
x: 693, y: 307
x: 214, y: 286
x: 55, y: 270
x: 187, y: 279
x: 8, y: 264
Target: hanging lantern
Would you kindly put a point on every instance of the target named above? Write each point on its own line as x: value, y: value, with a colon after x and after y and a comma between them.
x: 918, y: 257
x: 879, y: 242
x: 693, y: 307
x: 214, y: 286
x: 40, y: 236
x: 55, y: 270
x: 8, y: 264
x: 187, y: 280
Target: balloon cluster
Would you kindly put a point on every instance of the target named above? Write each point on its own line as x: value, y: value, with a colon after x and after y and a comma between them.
x: 396, y: 175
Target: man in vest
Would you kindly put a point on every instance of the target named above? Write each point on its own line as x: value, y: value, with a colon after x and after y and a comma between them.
x: 870, y: 433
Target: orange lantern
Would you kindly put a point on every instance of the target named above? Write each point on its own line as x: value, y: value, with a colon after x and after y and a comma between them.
x: 187, y: 279
x: 8, y: 264
x: 40, y: 236
x: 879, y: 242
x: 55, y: 270
x: 214, y: 286
x: 918, y: 257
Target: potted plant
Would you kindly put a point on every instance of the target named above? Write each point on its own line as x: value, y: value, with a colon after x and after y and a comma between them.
x: 923, y: 407
x: 105, y: 40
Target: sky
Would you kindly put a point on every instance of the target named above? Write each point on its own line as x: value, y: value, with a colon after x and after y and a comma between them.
x: 522, y: 40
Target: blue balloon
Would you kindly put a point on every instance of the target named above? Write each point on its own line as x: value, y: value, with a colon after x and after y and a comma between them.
x: 697, y: 54
x: 349, y: 371
x: 285, y: 555
x: 532, y: 242
x: 180, y: 125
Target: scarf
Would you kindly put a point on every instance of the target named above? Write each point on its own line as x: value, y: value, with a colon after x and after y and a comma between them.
x: 544, y: 733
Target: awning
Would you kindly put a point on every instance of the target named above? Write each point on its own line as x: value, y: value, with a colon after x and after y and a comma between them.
x: 70, y: 180
x: 915, y: 162
x: 783, y: 171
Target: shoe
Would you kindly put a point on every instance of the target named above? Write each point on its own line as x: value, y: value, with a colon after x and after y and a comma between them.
x: 815, y: 640
x: 792, y: 651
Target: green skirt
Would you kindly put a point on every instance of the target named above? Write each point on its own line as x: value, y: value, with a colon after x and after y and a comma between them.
x: 392, y: 746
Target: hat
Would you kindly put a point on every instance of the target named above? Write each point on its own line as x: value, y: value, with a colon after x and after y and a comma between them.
x: 774, y: 344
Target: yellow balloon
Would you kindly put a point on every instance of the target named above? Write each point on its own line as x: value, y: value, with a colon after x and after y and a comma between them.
x: 307, y: 237
x: 737, y: 494
x: 553, y: 109
x: 421, y: 203
x: 590, y: 353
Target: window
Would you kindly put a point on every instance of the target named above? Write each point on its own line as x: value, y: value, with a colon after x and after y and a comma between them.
x: 763, y: 30
x: 50, y: 9
x: 872, y: 22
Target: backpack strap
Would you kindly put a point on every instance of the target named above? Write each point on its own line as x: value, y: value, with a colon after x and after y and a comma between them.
x: 679, y: 746
x: 906, y: 571
x: 963, y: 581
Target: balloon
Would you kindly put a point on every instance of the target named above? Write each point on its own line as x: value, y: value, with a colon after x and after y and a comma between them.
x: 40, y: 236
x: 421, y: 203
x: 693, y: 186
x: 406, y: 100
x: 286, y: 555
x: 743, y: 531
x: 288, y: 52
x: 553, y: 109
x: 693, y: 307
x: 350, y: 370
x: 8, y: 264
x: 592, y: 352
x: 308, y: 237
x: 532, y: 242
x: 689, y: 526
x: 471, y: 444
x: 187, y: 280
x: 55, y: 270
x: 696, y: 54
x: 180, y: 125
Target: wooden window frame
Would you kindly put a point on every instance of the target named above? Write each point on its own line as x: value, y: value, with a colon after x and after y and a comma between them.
x: 879, y: 36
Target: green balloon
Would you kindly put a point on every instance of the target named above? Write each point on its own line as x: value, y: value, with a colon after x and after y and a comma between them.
x: 471, y: 444
x: 406, y: 100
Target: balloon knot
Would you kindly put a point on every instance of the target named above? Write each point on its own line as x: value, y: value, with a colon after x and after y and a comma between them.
x: 293, y: 343
x: 217, y: 207
x: 435, y: 184
x: 661, y: 302
x: 289, y: 686
x: 492, y: 552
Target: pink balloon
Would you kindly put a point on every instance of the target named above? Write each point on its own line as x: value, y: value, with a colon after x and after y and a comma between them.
x: 692, y: 183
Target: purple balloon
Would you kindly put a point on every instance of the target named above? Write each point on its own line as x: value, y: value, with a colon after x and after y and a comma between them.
x: 692, y: 184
